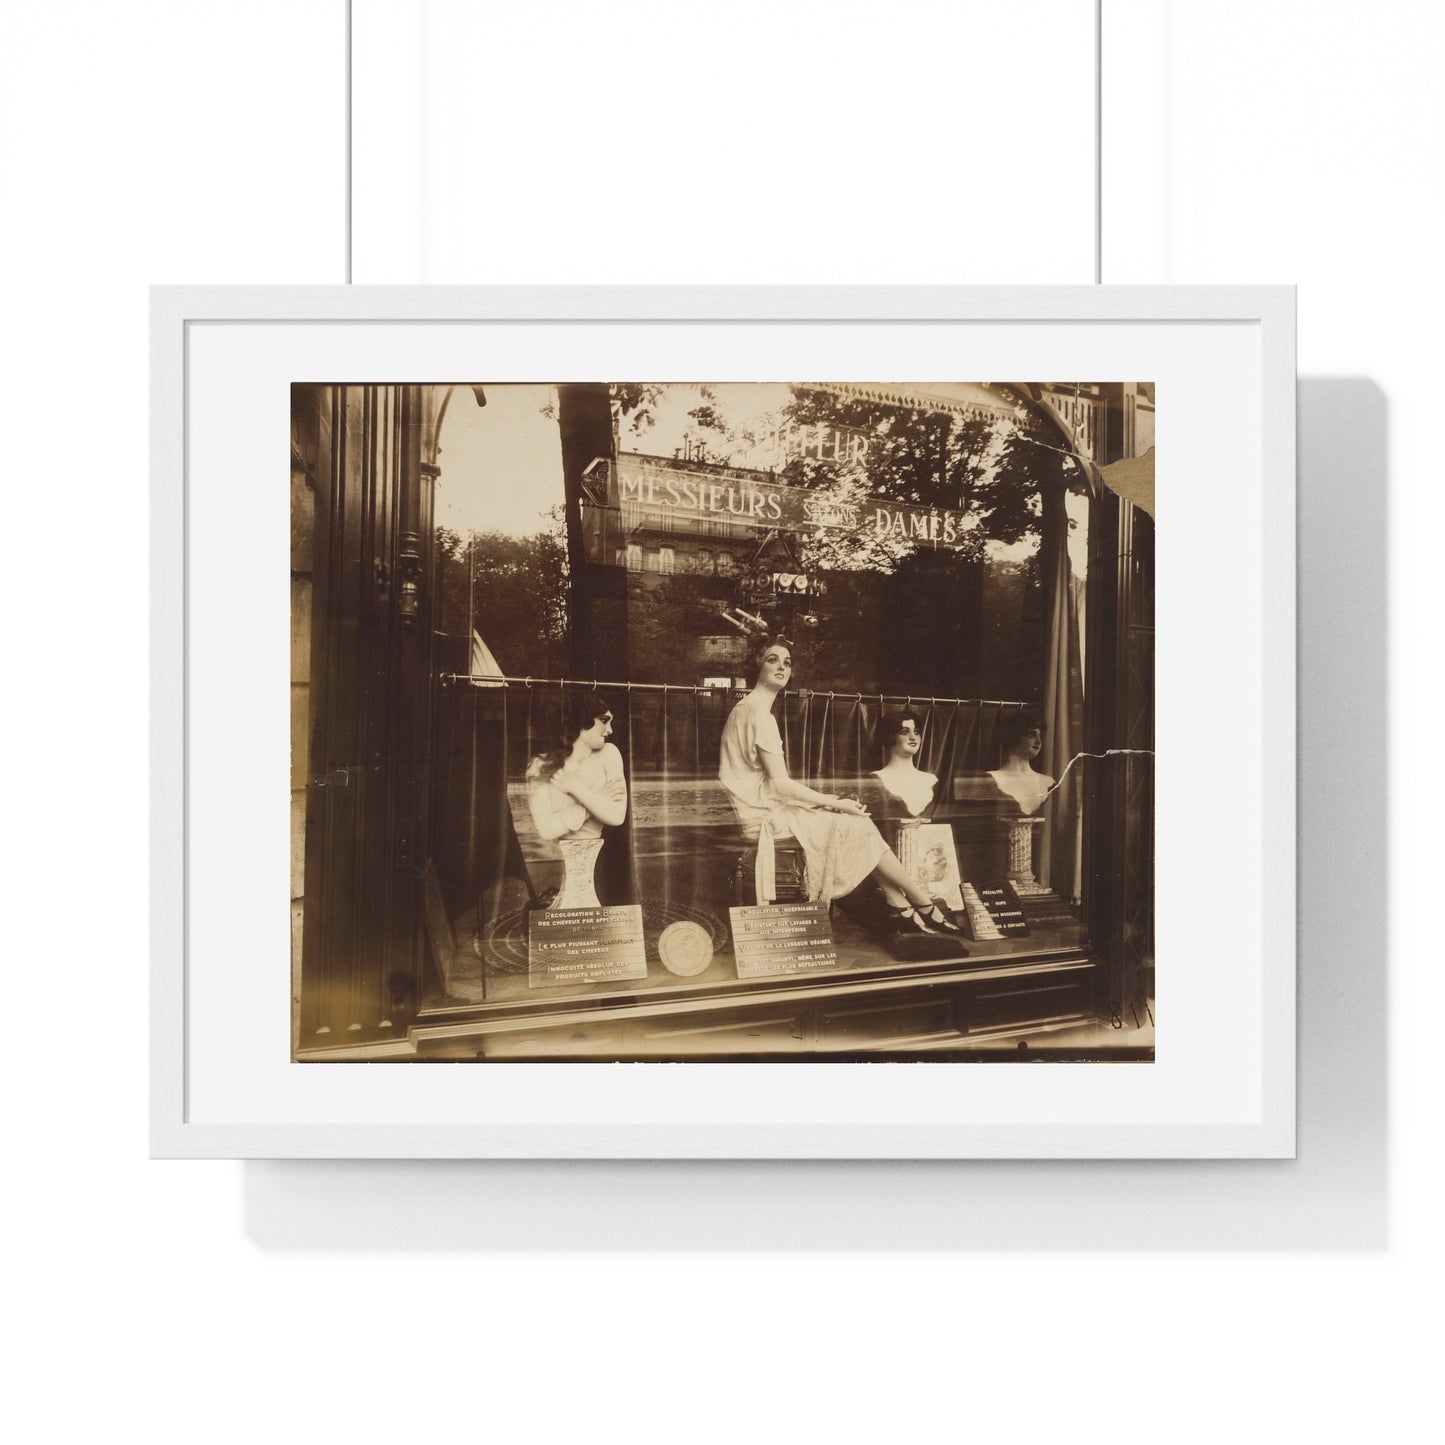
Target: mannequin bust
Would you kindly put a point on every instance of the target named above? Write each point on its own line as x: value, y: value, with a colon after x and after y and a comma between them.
x: 1022, y: 740
x: 900, y: 737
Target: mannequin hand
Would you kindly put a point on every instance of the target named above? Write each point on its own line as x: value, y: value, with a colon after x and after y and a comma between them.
x: 567, y: 783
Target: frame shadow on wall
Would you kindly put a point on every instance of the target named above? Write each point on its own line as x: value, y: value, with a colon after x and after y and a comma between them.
x: 1333, y: 1196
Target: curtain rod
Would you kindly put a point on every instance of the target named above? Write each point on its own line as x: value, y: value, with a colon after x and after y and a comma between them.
x: 592, y: 684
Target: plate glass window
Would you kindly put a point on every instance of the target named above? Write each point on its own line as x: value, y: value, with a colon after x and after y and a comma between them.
x: 697, y: 721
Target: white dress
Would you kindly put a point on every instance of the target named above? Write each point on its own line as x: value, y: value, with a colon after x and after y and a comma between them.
x: 842, y: 849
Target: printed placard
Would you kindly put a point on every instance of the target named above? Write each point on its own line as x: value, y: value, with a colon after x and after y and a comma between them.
x: 778, y: 938
x: 1005, y: 911
x: 584, y: 945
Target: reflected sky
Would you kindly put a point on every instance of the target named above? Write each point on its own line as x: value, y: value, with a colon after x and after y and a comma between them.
x: 501, y: 465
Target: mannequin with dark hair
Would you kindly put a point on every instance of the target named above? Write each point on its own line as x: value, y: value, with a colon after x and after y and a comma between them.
x: 1021, y: 739
x: 576, y: 788
x: 840, y: 842
x: 900, y: 740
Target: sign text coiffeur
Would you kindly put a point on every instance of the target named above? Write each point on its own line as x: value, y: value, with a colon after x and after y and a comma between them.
x: 670, y: 491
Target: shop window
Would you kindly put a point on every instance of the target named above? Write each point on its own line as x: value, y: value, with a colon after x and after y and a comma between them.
x: 609, y: 871
x: 917, y: 685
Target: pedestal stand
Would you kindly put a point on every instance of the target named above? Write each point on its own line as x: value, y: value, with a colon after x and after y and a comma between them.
x: 1021, y: 856
x: 579, y: 860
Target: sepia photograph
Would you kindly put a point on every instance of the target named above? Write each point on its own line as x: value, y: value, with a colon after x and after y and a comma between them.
x: 722, y: 721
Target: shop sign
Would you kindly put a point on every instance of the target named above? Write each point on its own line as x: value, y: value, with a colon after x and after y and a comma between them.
x: 1005, y: 911
x: 584, y: 945
x: 778, y: 938
x: 677, y: 497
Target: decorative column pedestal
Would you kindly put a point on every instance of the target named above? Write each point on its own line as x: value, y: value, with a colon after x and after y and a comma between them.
x: 579, y: 860
x: 907, y: 845
x: 1021, y: 855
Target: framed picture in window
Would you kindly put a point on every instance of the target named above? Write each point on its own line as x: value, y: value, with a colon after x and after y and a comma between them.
x: 733, y: 683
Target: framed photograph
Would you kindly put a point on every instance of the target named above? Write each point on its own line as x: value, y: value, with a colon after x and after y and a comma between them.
x: 736, y: 684
x: 934, y: 865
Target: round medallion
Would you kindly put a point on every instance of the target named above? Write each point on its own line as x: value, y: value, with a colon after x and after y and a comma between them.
x: 685, y: 949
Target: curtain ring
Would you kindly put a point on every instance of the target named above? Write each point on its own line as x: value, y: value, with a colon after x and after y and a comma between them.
x: 528, y: 681
x: 594, y: 684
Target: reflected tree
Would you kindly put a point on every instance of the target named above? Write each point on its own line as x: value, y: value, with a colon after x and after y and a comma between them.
x: 516, y: 597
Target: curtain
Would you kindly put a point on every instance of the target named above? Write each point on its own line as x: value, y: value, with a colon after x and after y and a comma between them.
x: 1063, y: 699
x: 480, y: 865
x: 679, y: 850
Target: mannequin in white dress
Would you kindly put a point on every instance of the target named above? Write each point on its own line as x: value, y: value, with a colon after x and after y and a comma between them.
x: 841, y: 843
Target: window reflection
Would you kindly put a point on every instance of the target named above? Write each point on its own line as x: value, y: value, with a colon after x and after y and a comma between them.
x: 926, y: 560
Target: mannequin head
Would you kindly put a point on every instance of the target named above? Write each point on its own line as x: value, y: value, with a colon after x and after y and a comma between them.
x: 586, y: 718
x: 900, y: 736
x: 1021, y: 735
x: 772, y: 664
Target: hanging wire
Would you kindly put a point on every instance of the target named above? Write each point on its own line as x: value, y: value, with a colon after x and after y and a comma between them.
x: 1107, y: 753
x: 348, y: 142
x: 1098, y: 142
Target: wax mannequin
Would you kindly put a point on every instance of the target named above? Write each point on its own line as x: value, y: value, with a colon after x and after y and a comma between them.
x: 841, y: 844
x: 1022, y: 740
x: 576, y: 789
x: 901, y: 739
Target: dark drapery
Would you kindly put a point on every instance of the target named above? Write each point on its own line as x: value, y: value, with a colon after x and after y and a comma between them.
x: 1063, y: 707
x: 479, y: 857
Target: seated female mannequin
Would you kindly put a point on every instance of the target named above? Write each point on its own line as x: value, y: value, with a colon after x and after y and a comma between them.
x: 576, y: 789
x: 841, y: 844
x: 1022, y: 739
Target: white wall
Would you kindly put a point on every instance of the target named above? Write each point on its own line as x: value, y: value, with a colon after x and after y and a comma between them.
x: 1278, y: 141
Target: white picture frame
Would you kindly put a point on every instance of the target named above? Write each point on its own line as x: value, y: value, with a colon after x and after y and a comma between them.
x: 938, y: 866
x: 223, y: 1084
